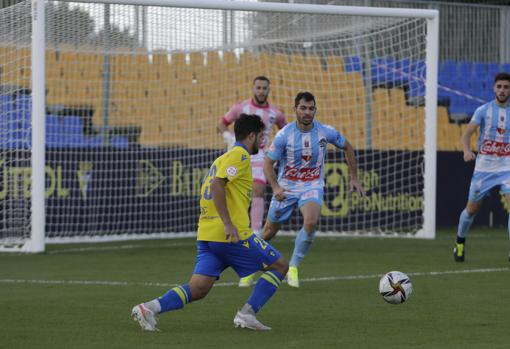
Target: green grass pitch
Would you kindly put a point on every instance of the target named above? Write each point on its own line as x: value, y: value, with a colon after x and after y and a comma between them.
x: 80, y: 296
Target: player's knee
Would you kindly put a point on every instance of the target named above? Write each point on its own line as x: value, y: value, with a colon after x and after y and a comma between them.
x: 309, y: 225
x: 198, y: 291
x: 281, y: 266
x: 472, y: 208
x: 269, y: 231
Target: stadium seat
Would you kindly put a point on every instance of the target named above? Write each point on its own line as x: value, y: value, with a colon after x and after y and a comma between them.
x: 384, y: 72
x: 55, y: 137
x: 119, y: 142
x: 480, y: 70
x: 6, y: 105
x: 72, y: 131
x: 353, y: 64
x: 94, y: 141
x: 335, y: 63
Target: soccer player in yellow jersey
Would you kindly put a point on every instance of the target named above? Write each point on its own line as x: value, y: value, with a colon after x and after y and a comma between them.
x: 224, y: 237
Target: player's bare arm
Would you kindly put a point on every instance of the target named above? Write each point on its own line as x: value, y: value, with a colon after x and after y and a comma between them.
x: 278, y: 191
x: 469, y: 155
x: 220, y: 201
x: 354, y: 184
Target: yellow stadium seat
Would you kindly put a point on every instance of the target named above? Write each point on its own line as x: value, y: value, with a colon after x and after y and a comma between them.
x: 335, y: 63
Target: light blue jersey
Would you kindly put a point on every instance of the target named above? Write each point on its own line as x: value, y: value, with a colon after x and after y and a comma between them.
x: 301, y: 155
x: 301, y: 173
x: 494, y: 140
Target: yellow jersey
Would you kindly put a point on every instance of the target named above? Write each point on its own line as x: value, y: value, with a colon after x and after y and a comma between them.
x: 234, y: 165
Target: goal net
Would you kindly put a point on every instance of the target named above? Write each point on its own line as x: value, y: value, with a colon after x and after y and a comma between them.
x: 133, y: 95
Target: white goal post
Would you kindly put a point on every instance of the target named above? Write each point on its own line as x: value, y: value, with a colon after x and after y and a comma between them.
x: 365, y: 65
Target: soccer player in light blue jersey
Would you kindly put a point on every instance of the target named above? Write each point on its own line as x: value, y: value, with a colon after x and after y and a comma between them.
x: 492, y: 167
x: 300, y: 148
x: 224, y: 237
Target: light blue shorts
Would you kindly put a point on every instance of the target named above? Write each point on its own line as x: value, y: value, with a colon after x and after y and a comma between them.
x: 483, y: 182
x: 280, y: 211
x: 245, y: 257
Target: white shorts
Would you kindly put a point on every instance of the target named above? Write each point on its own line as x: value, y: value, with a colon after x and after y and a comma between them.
x: 257, y: 167
x: 483, y: 182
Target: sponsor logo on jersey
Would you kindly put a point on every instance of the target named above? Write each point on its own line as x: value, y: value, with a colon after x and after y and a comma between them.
x: 302, y: 174
x: 231, y: 171
x: 307, y: 151
x: 495, y: 148
x: 500, y: 130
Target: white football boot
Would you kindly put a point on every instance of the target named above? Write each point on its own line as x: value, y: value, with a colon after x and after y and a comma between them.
x: 145, y: 317
x: 245, y: 320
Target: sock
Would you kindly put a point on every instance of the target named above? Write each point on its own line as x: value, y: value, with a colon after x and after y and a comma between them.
x: 153, y: 306
x: 175, y: 298
x: 301, y: 247
x: 465, y: 222
x: 264, y: 289
x: 256, y: 213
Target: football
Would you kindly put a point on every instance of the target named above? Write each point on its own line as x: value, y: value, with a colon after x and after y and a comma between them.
x: 395, y: 287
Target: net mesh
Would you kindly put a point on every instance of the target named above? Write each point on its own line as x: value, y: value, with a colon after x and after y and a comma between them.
x: 134, y: 95
x: 15, y: 106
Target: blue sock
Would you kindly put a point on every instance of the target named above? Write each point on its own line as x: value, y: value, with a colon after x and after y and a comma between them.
x: 301, y: 247
x: 264, y: 289
x: 175, y: 298
x: 465, y: 222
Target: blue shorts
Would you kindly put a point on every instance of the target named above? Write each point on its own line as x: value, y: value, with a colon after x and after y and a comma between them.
x: 280, y: 211
x: 483, y: 182
x: 245, y: 257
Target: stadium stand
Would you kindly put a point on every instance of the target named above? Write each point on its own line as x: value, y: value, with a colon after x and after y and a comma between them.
x: 76, y: 80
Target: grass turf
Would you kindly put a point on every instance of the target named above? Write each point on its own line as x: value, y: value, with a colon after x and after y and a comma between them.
x: 80, y: 296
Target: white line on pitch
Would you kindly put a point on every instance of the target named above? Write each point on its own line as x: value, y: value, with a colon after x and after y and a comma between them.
x: 118, y: 247
x: 220, y: 284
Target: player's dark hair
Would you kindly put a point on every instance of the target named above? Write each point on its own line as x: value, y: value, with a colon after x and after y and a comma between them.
x: 502, y: 76
x: 262, y: 78
x: 307, y: 96
x: 246, y: 124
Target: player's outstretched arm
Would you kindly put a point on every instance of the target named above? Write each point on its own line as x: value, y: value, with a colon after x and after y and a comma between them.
x: 220, y: 201
x: 466, y: 142
x: 354, y: 183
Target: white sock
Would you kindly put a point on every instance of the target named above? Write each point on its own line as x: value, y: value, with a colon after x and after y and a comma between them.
x: 153, y: 306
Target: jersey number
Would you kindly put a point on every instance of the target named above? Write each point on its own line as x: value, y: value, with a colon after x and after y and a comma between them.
x: 209, y: 180
x: 260, y: 242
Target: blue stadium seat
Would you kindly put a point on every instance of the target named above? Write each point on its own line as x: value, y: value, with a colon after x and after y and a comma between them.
x: 18, y: 120
x: 353, y: 64
x: 492, y: 70
x: 119, y: 142
x: 95, y: 141
x: 449, y: 68
x: 465, y: 69
x: 480, y: 70
x: 54, y: 132
x: 23, y: 102
x: 403, y: 67
x: 385, y: 72
x: 72, y: 129
x: 5, y: 103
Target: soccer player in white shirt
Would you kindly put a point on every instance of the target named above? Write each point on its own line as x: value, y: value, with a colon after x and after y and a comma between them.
x: 300, y: 148
x: 270, y: 115
x: 492, y: 167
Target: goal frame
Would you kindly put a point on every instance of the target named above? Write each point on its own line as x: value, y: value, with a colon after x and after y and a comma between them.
x: 36, y: 242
